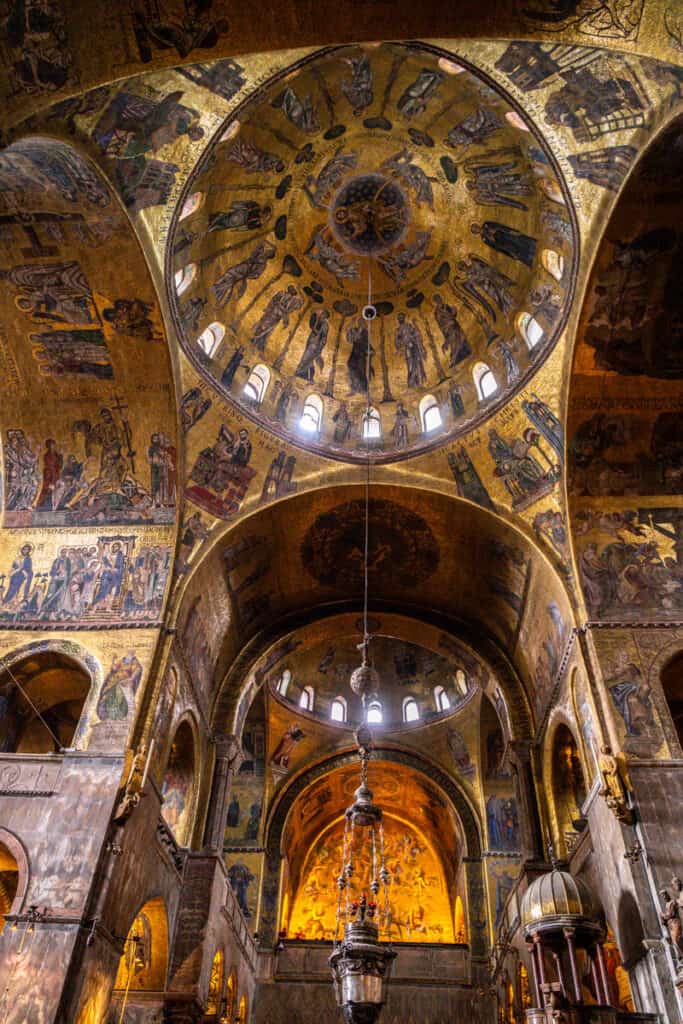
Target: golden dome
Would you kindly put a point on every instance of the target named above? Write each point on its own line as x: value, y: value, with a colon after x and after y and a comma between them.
x: 393, y: 161
x: 558, y: 900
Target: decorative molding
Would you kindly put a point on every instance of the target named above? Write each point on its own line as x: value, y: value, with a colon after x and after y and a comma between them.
x: 30, y: 776
x: 169, y: 846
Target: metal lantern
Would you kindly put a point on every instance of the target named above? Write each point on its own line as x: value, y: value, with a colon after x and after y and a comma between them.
x: 360, y: 963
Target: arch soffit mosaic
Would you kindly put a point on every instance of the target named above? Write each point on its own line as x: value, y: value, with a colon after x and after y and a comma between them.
x: 262, y: 572
x: 466, y: 815
x: 153, y: 43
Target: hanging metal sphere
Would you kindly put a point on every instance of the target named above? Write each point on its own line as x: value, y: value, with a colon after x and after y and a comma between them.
x: 364, y: 681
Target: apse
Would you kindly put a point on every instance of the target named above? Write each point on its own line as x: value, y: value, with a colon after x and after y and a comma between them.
x: 422, y: 851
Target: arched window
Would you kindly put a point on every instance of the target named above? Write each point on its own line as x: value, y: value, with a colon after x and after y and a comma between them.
x: 338, y: 710
x: 553, y: 263
x: 530, y: 329
x: 210, y: 338
x: 372, y: 425
x: 374, y: 715
x: 430, y: 414
x: 672, y: 684
x: 178, y: 784
x: 184, y: 278
x: 56, y: 685
x: 484, y: 381
x: 411, y: 712
x: 257, y: 383
x: 461, y: 683
x: 312, y: 415
x: 307, y: 698
x: 441, y: 699
x: 283, y: 682
x: 191, y: 204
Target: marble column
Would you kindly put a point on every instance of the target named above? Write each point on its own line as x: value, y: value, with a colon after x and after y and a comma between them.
x: 520, y: 757
x: 569, y: 935
x: 229, y: 757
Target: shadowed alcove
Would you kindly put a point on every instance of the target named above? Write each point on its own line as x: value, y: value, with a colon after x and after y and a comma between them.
x: 41, y: 697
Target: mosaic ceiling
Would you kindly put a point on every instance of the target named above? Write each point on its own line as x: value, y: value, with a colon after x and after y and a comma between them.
x: 386, y: 166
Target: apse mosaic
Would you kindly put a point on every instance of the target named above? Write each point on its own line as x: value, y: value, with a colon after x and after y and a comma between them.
x: 394, y: 161
x: 420, y: 906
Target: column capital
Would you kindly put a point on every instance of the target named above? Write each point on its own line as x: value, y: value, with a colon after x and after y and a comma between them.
x: 520, y: 752
x: 229, y: 748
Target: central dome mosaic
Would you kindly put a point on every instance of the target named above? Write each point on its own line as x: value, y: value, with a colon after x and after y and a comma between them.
x: 395, y: 169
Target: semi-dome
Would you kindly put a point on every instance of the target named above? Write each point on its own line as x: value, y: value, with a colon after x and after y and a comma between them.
x: 557, y: 900
x: 394, y: 166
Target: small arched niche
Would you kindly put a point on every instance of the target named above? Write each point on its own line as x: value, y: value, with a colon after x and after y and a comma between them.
x: 231, y: 996
x: 9, y: 882
x: 213, y: 1003
x: 243, y: 1011
x: 41, y: 702
x: 568, y: 785
x: 177, y: 787
x: 144, y: 963
x: 672, y: 685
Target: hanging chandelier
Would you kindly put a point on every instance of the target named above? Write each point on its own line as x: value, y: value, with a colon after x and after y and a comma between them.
x: 360, y: 964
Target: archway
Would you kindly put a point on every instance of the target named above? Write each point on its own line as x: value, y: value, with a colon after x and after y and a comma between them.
x: 243, y: 1011
x: 672, y: 685
x: 178, y: 784
x: 42, y: 697
x: 436, y: 853
x: 231, y: 996
x: 144, y: 963
x: 623, y: 430
x: 568, y: 786
x: 213, y: 1002
x: 9, y: 882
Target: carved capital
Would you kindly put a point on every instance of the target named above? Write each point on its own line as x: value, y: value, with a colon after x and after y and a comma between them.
x: 229, y: 748
x: 520, y: 752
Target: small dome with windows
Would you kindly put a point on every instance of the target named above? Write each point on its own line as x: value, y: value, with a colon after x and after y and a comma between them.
x: 414, y: 683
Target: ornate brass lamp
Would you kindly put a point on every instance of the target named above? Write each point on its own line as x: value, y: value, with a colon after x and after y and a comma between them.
x: 360, y: 964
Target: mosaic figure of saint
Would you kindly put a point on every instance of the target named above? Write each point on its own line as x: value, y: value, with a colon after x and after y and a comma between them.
x: 235, y: 279
x: 455, y: 342
x: 506, y: 240
x: 409, y: 342
x: 319, y: 325
x: 243, y: 215
x: 278, y: 310
x: 358, y: 88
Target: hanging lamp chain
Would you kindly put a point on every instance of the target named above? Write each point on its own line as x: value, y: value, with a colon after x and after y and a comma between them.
x: 366, y: 547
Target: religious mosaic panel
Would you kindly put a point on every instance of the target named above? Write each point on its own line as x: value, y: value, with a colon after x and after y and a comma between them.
x: 420, y: 905
x: 397, y: 162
